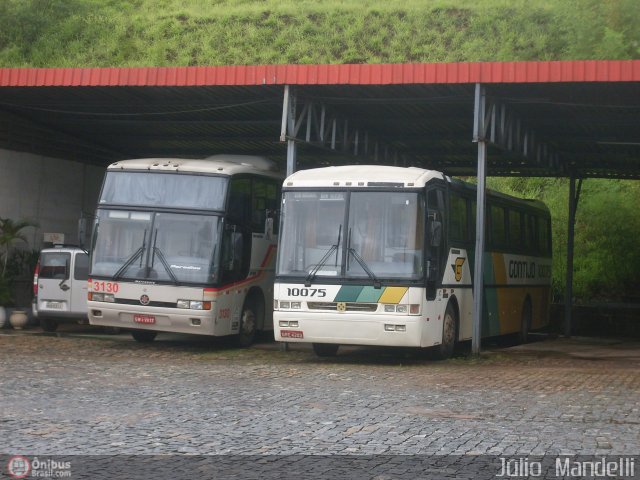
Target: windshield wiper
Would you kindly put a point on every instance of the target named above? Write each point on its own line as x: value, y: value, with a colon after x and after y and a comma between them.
x: 323, y: 260
x: 163, y: 260
x: 376, y: 281
x: 134, y: 256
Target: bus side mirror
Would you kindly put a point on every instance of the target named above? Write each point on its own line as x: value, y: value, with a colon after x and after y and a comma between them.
x: 268, y: 225
x: 435, y: 233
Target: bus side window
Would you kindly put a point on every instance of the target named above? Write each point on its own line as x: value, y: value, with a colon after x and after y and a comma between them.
x: 239, y: 203
x: 458, y: 219
x: 515, y: 229
x: 264, y: 205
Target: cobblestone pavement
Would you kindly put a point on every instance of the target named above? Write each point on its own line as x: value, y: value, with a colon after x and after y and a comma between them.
x: 110, y: 395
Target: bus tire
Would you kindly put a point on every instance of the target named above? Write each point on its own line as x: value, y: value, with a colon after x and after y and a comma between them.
x: 525, y: 323
x: 48, y: 324
x: 143, y: 336
x: 449, y: 331
x: 325, y: 349
x: 248, y: 323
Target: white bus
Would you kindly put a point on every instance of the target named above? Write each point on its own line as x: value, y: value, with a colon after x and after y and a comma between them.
x: 186, y: 246
x: 378, y: 255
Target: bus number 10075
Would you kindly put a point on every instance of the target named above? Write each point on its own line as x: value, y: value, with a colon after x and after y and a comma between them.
x: 306, y: 292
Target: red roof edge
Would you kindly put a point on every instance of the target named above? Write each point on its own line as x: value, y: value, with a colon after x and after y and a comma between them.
x: 361, y: 74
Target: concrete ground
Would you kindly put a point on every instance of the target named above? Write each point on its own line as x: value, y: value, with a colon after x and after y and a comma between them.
x: 84, y: 392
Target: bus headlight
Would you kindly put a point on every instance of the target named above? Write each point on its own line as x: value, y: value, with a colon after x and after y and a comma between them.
x: 284, y: 304
x: 102, y: 297
x: 296, y: 305
x: 194, y: 304
x: 389, y: 308
x: 401, y: 309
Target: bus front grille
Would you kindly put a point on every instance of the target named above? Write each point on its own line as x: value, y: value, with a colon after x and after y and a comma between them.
x: 348, y: 306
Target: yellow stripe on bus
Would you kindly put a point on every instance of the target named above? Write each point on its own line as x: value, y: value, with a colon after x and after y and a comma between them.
x: 393, y: 294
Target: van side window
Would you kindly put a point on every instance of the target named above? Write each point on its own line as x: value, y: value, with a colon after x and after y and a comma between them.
x: 81, y: 268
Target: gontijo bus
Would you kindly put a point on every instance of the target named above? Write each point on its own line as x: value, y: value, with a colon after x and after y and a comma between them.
x: 380, y: 255
x: 185, y: 246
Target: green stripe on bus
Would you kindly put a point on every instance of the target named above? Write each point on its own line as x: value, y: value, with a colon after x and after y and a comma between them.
x: 370, y: 295
x: 348, y: 293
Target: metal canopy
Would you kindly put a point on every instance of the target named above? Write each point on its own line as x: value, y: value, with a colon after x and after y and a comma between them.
x: 422, y: 115
x: 559, y: 119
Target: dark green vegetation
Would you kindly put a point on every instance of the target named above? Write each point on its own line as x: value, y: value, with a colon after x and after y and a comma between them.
x: 105, y: 33
x: 108, y: 33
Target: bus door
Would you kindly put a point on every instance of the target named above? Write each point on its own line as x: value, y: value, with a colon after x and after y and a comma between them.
x: 435, y: 238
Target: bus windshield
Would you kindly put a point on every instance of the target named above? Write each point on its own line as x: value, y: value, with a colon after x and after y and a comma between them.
x: 170, y: 189
x: 172, y: 247
x: 381, y: 235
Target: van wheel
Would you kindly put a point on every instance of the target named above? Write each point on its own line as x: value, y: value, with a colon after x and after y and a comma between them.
x: 48, y: 325
x: 525, y: 324
x: 449, y: 329
x: 325, y: 349
x: 143, y: 336
x: 248, y: 324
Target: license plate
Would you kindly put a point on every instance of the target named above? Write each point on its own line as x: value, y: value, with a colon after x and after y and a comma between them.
x: 146, y: 319
x: 291, y: 334
x: 54, y: 305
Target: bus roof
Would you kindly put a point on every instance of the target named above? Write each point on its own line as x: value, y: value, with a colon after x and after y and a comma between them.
x: 362, y: 176
x: 218, y: 164
x: 386, y: 176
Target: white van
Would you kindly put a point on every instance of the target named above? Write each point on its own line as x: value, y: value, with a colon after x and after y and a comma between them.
x: 60, y: 286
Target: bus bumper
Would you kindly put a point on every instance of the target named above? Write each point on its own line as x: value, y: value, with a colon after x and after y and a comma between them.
x: 312, y: 327
x: 164, y: 319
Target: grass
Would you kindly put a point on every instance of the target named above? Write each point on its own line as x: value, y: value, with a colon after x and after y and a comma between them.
x: 105, y: 33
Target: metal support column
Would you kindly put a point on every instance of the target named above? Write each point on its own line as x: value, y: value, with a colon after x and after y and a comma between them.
x: 574, y: 196
x: 287, y: 130
x: 479, y: 134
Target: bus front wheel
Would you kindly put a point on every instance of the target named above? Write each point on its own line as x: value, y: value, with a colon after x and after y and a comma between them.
x: 449, y: 328
x: 325, y: 349
x: 248, y: 326
x: 143, y: 336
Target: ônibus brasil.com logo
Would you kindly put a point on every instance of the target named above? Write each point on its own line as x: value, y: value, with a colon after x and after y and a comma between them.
x: 20, y: 466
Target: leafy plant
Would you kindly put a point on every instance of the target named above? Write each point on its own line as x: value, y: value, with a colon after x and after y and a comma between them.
x: 10, y: 233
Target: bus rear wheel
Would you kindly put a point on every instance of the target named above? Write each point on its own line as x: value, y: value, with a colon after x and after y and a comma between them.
x: 48, y: 325
x: 325, y: 349
x: 143, y: 336
x: 525, y: 326
x: 449, y: 329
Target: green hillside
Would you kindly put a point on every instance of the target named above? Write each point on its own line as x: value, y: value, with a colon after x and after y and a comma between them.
x: 109, y: 33
x: 104, y: 33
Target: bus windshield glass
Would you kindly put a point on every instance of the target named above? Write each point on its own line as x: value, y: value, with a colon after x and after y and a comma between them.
x: 382, y: 237
x: 169, y: 247
x: 312, y: 239
x: 171, y: 190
